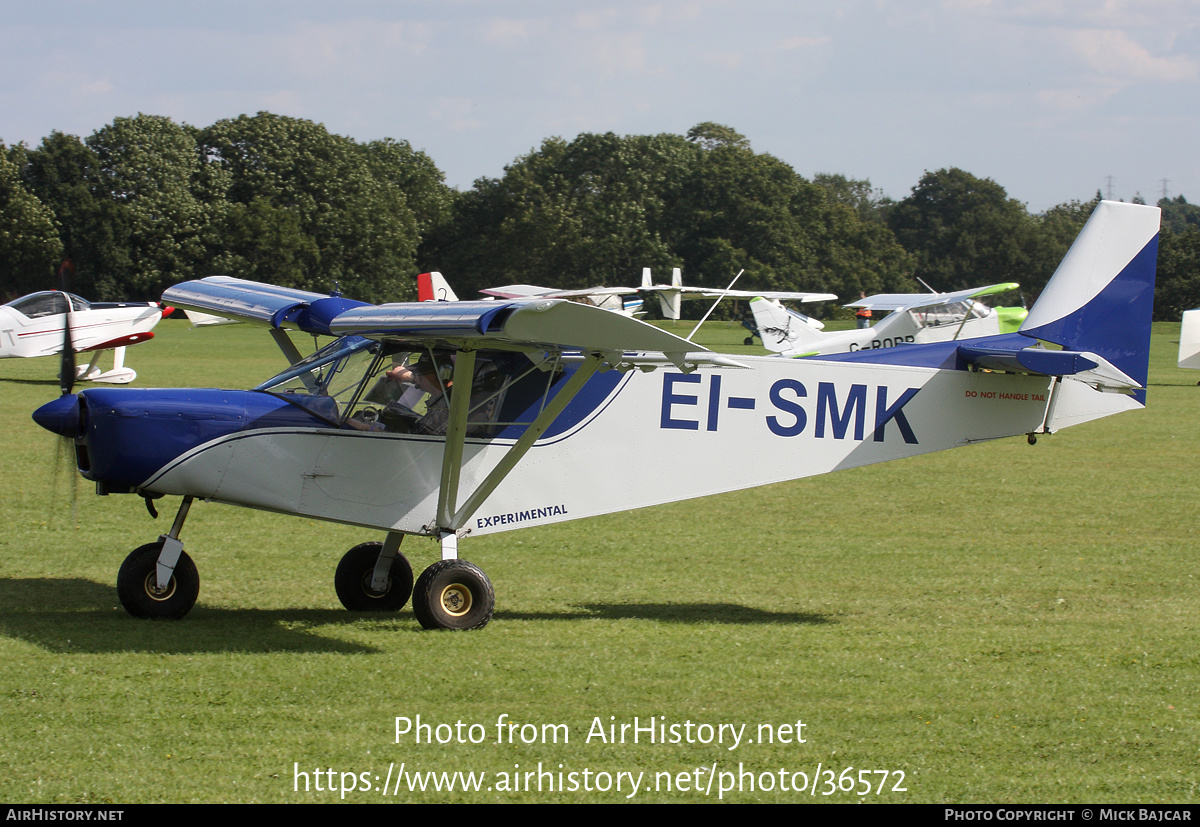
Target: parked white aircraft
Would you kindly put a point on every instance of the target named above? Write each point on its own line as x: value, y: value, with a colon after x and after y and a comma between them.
x: 630, y: 300
x: 912, y: 318
x: 450, y: 420
x: 34, y: 325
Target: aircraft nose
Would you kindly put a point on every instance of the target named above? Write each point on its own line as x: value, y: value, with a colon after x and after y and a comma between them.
x: 60, y: 416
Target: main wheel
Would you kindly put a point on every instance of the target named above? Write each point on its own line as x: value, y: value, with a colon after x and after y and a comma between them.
x: 137, y: 585
x: 353, y: 581
x: 453, y: 594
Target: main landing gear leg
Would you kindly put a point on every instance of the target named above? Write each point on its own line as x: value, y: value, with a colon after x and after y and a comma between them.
x: 159, y: 580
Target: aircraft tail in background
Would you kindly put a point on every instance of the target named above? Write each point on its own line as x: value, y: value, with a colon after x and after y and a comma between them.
x: 783, y: 330
x: 431, y: 287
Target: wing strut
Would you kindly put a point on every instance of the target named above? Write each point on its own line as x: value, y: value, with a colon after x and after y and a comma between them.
x: 456, y: 432
x: 449, y: 518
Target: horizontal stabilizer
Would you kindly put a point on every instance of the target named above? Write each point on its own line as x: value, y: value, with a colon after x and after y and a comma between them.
x: 1085, y: 366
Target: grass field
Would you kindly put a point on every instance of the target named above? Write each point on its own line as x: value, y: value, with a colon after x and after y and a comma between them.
x: 1003, y: 623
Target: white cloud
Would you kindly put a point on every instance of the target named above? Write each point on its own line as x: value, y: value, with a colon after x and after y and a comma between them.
x: 506, y: 32
x: 1114, y: 53
x: 793, y: 43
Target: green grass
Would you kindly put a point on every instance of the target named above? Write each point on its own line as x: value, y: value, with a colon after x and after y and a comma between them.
x: 1003, y: 623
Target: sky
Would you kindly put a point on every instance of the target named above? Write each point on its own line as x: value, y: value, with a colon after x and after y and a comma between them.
x: 1052, y: 99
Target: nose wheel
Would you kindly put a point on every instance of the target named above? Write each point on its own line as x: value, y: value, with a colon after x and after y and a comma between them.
x: 139, y: 590
x: 356, y: 584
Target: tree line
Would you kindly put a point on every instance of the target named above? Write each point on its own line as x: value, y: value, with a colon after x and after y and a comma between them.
x: 145, y: 202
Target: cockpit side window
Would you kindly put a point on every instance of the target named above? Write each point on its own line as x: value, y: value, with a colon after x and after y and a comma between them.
x: 411, y: 392
x: 391, y: 387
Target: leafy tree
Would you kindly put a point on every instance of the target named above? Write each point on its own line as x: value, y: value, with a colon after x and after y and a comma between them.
x: 165, y: 198
x: 1053, y: 233
x: 709, y: 135
x: 320, y: 196
x: 596, y: 210
x: 965, y: 231
x: 1178, y: 214
x: 65, y: 174
x: 29, y: 243
x: 743, y: 209
x: 579, y: 214
x: 869, y: 203
x: 414, y: 174
x: 857, y: 256
x: 1177, y: 282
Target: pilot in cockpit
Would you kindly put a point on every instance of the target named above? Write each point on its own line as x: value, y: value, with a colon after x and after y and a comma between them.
x: 402, y: 391
x: 424, y: 379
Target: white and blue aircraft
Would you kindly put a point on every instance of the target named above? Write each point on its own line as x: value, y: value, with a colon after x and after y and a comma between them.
x: 450, y: 420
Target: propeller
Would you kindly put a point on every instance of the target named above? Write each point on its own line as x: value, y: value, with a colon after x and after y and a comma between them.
x: 66, y: 374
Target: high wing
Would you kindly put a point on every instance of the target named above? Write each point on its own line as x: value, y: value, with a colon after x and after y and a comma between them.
x: 259, y: 303
x: 239, y: 300
x: 909, y: 301
x: 522, y: 324
x: 593, y: 339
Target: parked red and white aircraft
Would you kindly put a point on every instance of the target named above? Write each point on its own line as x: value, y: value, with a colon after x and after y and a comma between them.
x: 36, y: 325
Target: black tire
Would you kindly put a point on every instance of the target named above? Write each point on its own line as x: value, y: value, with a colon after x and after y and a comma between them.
x: 453, y: 594
x: 137, y: 585
x: 353, y: 580
x: 749, y: 340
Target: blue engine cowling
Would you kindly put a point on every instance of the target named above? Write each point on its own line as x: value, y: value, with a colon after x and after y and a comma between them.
x: 124, y: 435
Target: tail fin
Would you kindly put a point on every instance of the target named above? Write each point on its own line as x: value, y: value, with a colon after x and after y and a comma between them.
x: 1101, y: 297
x: 668, y: 300
x: 431, y: 287
x: 782, y: 330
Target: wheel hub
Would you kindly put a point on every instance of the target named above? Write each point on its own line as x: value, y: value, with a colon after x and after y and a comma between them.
x: 456, y: 599
x: 154, y: 592
x: 370, y: 592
